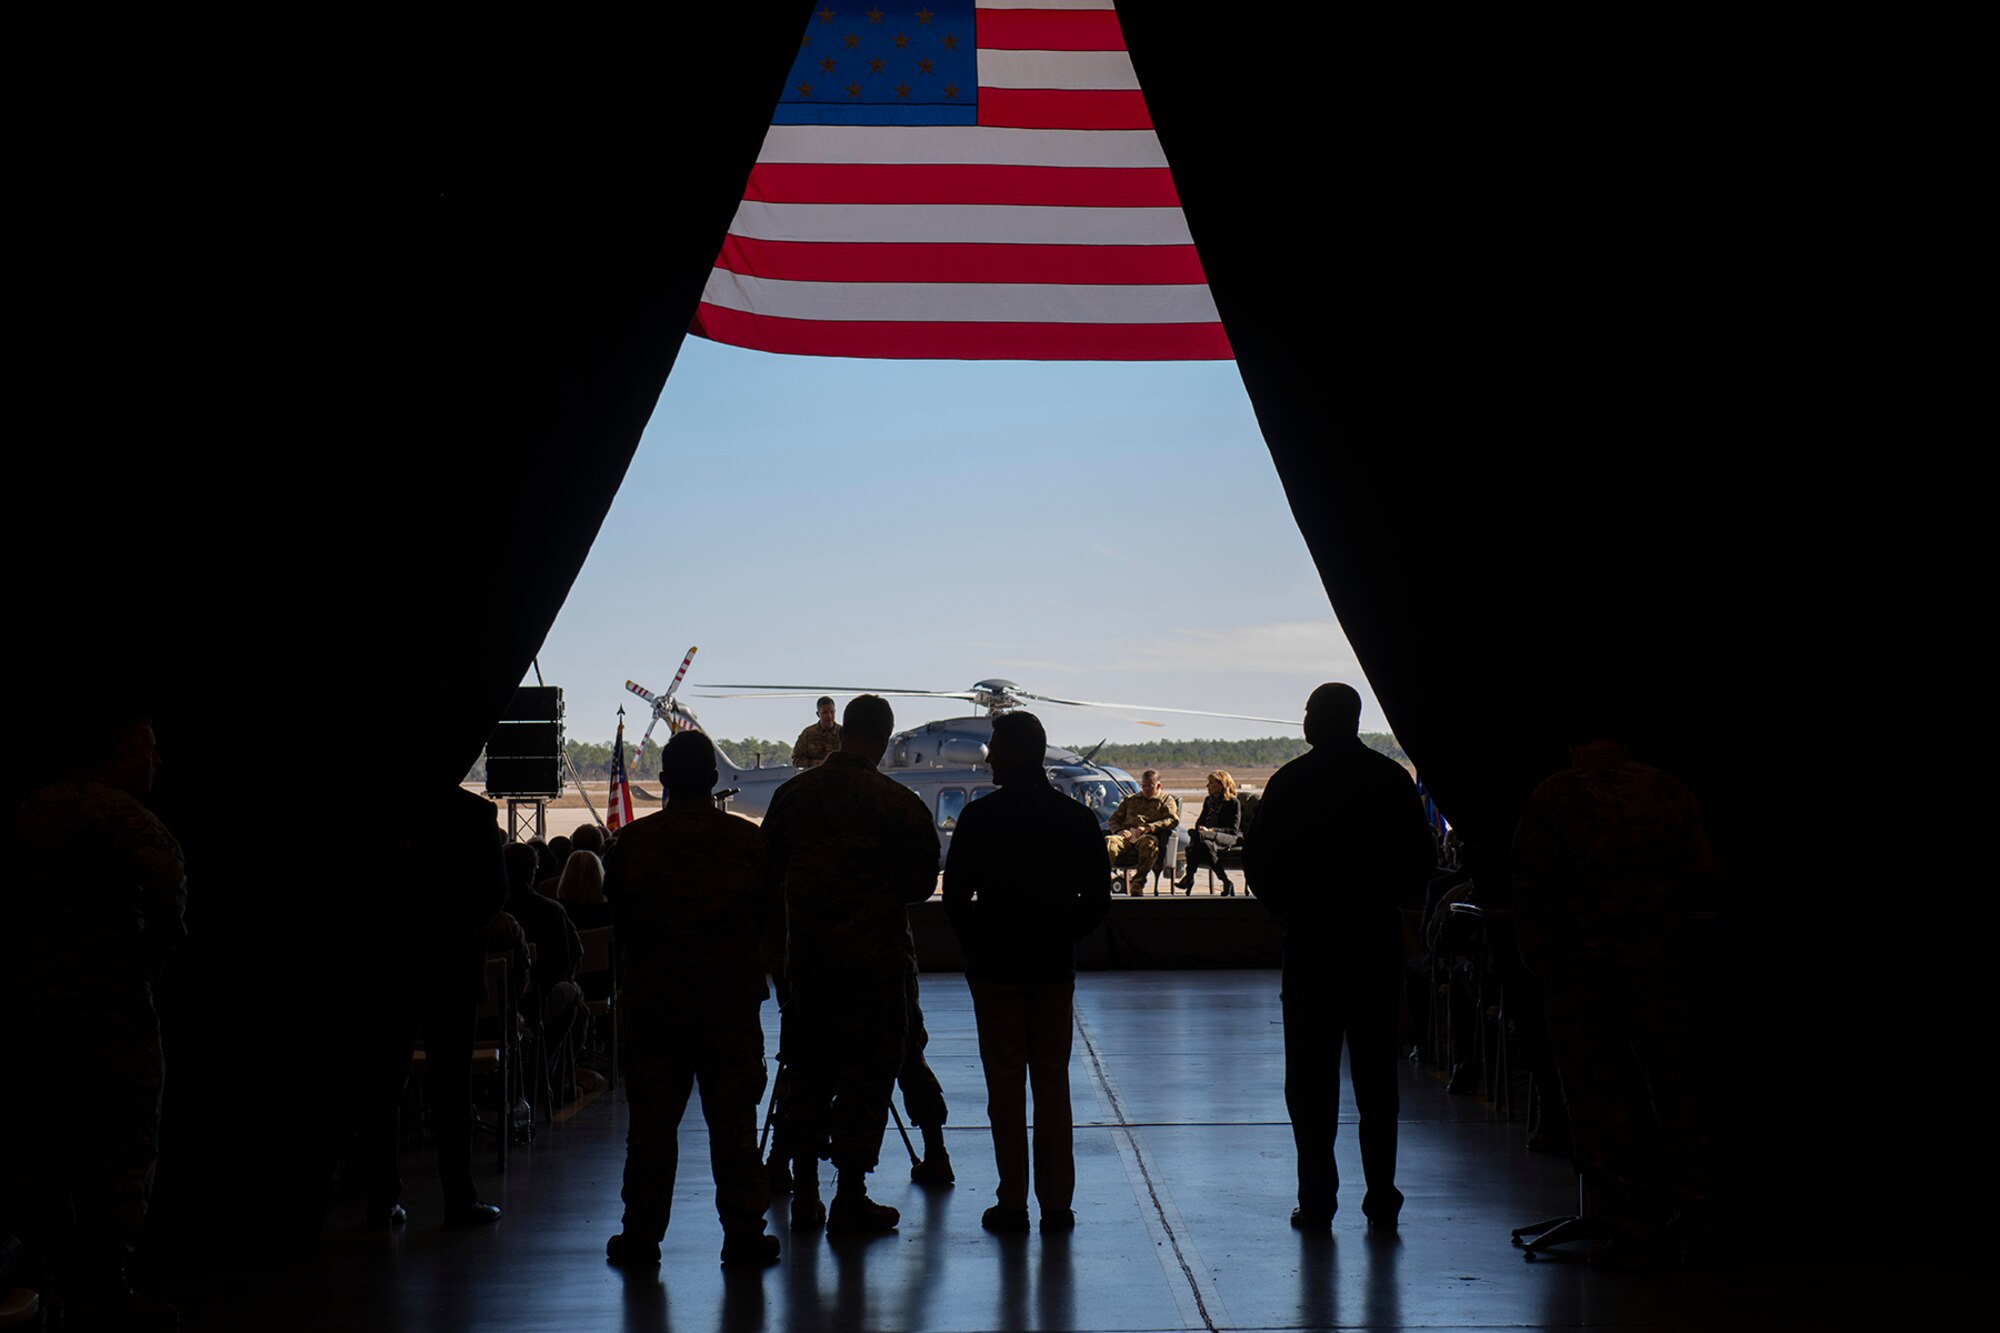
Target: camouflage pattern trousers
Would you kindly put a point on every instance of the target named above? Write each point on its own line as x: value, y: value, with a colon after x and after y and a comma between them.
x: 88, y: 1129
x: 667, y: 1056
x: 844, y: 1041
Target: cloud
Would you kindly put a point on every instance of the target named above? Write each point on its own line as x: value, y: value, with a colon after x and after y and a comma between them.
x: 1285, y: 647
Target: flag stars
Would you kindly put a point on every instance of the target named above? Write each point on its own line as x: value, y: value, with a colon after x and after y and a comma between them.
x: 925, y: 64
x: 903, y: 89
x: 826, y: 64
x: 875, y: 15
x: 805, y: 90
x: 825, y: 16
x: 877, y: 64
x: 950, y: 42
x: 902, y: 42
x: 854, y: 90
x: 924, y: 16
x: 951, y: 92
x: 852, y: 40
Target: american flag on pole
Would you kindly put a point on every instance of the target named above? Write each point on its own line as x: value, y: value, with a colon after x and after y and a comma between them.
x: 618, y: 809
x: 963, y: 179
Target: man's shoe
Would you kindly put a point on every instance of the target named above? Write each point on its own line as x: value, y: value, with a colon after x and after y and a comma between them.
x: 933, y: 1170
x: 749, y: 1248
x: 779, y: 1173
x: 1007, y: 1221
x: 857, y: 1214
x: 623, y: 1251
x: 474, y: 1214
x: 808, y: 1213
x: 381, y: 1219
x: 1058, y: 1219
x: 1305, y: 1221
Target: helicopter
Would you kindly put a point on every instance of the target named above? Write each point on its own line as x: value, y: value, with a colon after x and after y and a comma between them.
x: 943, y: 762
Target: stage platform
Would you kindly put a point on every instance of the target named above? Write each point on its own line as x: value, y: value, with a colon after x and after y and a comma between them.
x: 1185, y: 1180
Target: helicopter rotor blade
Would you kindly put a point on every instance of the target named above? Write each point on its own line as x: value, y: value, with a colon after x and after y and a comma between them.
x: 811, y: 691
x: 1151, y: 708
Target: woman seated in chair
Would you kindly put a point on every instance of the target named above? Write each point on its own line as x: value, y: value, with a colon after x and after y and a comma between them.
x: 1217, y: 828
x: 581, y: 891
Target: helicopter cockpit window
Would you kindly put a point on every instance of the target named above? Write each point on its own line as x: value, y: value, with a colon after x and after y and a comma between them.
x: 951, y: 803
x: 978, y: 792
x: 1100, y: 797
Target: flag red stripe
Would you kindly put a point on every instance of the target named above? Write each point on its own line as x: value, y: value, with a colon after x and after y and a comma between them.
x: 1064, y: 108
x: 948, y: 342
x: 1049, y: 30
x: 825, y: 261
x: 923, y: 183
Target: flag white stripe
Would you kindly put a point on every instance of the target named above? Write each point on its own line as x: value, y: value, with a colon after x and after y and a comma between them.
x: 1057, y: 69
x: 1042, y: 4
x: 962, y: 144
x: 961, y: 224
x: 963, y: 302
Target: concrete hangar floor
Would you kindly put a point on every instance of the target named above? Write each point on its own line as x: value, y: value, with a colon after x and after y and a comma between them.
x: 1185, y: 1180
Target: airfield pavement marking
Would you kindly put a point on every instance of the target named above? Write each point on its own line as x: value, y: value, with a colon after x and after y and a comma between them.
x: 1188, y: 1275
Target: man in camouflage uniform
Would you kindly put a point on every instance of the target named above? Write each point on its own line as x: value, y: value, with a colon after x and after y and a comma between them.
x: 1139, y: 824
x: 689, y: 897
x: 90, y: 908
x: 1340, y: 839
x: 1607, y: 857
x: 819, y: 740
x: 852, y: 848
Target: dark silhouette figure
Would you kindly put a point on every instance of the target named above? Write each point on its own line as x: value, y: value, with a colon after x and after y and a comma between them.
x: 558, y: 950
x: 851, y: 847
x: 90, y: 908
x: 1608, y: 858
x: 690, y: 894
x: 446, y: 882
x: 1340, y: 838
x: 1025, y: 879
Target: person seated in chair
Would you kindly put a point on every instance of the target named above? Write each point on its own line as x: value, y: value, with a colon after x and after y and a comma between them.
x: 1139, y: 827
x: 1217, y: 828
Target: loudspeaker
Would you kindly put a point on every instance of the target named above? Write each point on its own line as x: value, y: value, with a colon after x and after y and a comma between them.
x: 524, y: 753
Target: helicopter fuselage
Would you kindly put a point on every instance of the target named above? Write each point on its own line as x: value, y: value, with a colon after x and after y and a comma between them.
x: 944, y: 763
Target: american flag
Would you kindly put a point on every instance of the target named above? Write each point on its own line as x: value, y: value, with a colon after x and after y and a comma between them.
x: 963, y: 179
x: 618, y: 809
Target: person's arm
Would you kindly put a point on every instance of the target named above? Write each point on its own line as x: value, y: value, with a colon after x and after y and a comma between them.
x: 916, y: 877
x: 800, y: 759
x: 964, y: 866
x: 1089, y: 867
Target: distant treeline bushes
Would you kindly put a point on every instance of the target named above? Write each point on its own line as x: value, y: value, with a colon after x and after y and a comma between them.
x: 593, y: 761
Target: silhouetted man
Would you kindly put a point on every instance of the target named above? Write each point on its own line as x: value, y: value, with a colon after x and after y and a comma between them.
x: 819, y: 740
x: 1025, y: 879
x: 90, y: 907
x: 851, y: 847
x: 446, y: 881
x: 1608, y: 855
x: 1340, y: 837
x: 689, y: 898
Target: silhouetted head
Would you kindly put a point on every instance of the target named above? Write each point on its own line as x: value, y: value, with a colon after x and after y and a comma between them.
x: 122, y: 749
x: 687, y: 767
x: 825, y: 707
x: 866, y: 725
x: 524, y: 866
x: 582, y: 879
x: 554, y: 855
x: 1333, y: 713
x: 1019, y: 750
x: 587, y: 838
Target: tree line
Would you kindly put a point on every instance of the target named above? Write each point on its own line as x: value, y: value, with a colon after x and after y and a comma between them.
x: 593, y: 759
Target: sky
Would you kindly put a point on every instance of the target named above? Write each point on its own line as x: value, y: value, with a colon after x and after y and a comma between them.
x: 1095, y: 530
